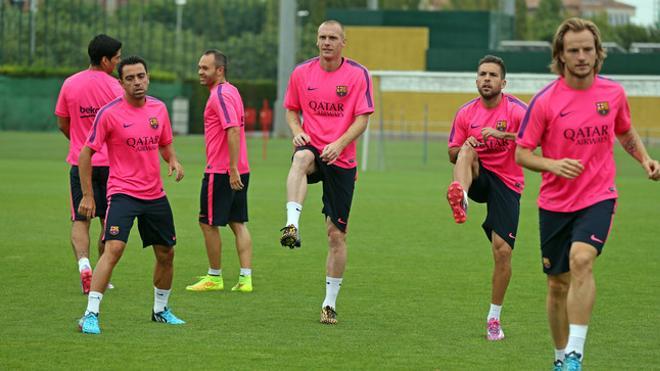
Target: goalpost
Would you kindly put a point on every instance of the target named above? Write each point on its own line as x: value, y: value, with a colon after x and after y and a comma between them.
x: 417, y: 105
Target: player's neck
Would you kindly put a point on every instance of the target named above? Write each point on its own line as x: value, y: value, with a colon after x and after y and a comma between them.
x: 329, y: 65
x: 217, y: 82
x: 96, y: 68
x: 134, y: 101
x: 579, y: 83
x: 492, y: 102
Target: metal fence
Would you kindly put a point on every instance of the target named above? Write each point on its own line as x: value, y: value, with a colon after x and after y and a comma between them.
x: 55, y: 33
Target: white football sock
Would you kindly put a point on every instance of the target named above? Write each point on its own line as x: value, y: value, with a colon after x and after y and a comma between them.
x: 577, y: 334
x: 246, y: 271
x: 83, y: 263
x: 160, y: 299
x: 215, y: 272
x: 293, y: 210
x: 494, y: 312
x: 332, y: 286
x: 93, y: 302
x: 559, y: 354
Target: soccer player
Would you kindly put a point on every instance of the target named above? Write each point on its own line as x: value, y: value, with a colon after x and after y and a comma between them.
x: 575, y: 119
x: 334, y: 95
x: 482, y: 145
x: 135, y: 128
x: 81, y: 97
x: 223, y: 199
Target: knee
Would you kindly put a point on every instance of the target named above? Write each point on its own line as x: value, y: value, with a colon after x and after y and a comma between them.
x: 581, y: 264
x: 302, y: 159
x: 165, y: 257
x: 502, y: 252
x: 467, y: 153
x: 336, y: 238
x: 558, y: 288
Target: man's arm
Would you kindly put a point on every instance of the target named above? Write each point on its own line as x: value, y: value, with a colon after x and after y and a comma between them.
x: 565, y: 168
x: 491, y: 132
x: 64, y: 124
x: 173, y: 164
x: 87, y: 205
x: 234, y: 142
x: 300, y: 138
x: 453, y: 151
x: 332, y: 151
x: 632, y: 143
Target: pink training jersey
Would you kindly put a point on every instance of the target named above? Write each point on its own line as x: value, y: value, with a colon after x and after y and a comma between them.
x: 329, y: 102
x: 224, y: 109
x: 496, y: 155
x: 582, y: 125
x: 133, y: 136
x: 81, y: 97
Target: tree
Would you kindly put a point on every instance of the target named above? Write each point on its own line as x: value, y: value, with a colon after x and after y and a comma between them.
x: 521, y: 20
x: 548, y: 16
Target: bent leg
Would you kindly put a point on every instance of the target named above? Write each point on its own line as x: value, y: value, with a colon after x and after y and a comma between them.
x: 80, y: 238
x: 107, y: 262
x: 467, y: 166
x: 296, y: 182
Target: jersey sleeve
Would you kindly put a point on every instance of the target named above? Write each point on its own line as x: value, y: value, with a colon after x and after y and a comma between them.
x: 226, y: 110
x: 517, y: 116
x: 61, y: 107
x: 458, y: 133
x: 532, y: 126
x: 365, y: 96
x: 166, y: 135
x: 99, y: 131
x: 622, y: 121
x: 291, y: 98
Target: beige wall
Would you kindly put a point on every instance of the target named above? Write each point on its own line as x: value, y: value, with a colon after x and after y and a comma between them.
x: 388, y: 48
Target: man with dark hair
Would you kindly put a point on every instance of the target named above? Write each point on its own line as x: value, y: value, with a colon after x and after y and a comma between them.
x: 575, y: 119
x: 482, y: 144
x: 135, y: 128
x: 81, y: 97
x: 334, y: 96
x: 223, y: 199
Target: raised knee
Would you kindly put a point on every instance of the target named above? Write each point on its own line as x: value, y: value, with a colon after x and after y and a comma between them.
x: 303, y: 159
x: 467, y: 153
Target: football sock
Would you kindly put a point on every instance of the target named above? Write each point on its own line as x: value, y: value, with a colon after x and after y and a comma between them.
x: 160, y: 299
x: 332, y: 286
x: 559, y: 354
x: 494, y: 312
x: 577, y: 334
x: 293, y: 210
x: 83, y: 263
x: 465, y: 197
x: 246, y: 271
x: 93, y: 302
x: 215, y: 272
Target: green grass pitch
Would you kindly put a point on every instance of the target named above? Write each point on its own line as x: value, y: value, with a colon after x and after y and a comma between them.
x: 415, y: 294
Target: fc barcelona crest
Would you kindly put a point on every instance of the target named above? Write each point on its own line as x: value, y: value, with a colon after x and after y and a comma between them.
x: 603, y: 108
x: 501, y: 125
x: 153, y: 122
x: 342, y: 90
x: 114, y: 230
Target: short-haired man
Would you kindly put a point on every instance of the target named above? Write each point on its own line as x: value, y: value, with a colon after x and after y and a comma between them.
x: 135, y: 128
x: 334, y: 95
x: 575, y: 120
x: 80, y: 98
x: 482, y: 145
x: 223, y: 199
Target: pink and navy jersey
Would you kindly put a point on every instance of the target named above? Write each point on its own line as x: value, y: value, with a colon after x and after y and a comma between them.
x: 81, y: 97
x: 329, y: 102
x: 224, y: 110
x: 582, y: 125
x: 133, y: 136
x: 496, y: 155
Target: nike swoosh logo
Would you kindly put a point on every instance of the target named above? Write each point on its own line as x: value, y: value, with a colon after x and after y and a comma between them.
x: 340, y: 220
x: 310, y: 88
x: 512, y: 236
x: 562, y: 114
x: 127, y: 125
x: 474, y: 126
x: 594, y: 238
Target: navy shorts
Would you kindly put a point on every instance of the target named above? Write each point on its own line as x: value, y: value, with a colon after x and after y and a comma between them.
x: 155, y: 220
x: 502, y: 203
x: 99, y: 186
x: 219, y: 204
x: 559, y: 230
x: 338, y: 187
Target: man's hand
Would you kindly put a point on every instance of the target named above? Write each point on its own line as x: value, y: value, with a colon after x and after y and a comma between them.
x: 175, y: 166
x: 472, y: 142
x: 301, y: 139
x: 566, y: 168
x: 491, y: 132
x: 235, y: 180
x: 331, y: 152
x: 652, y: 168
x: 87, y: 206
